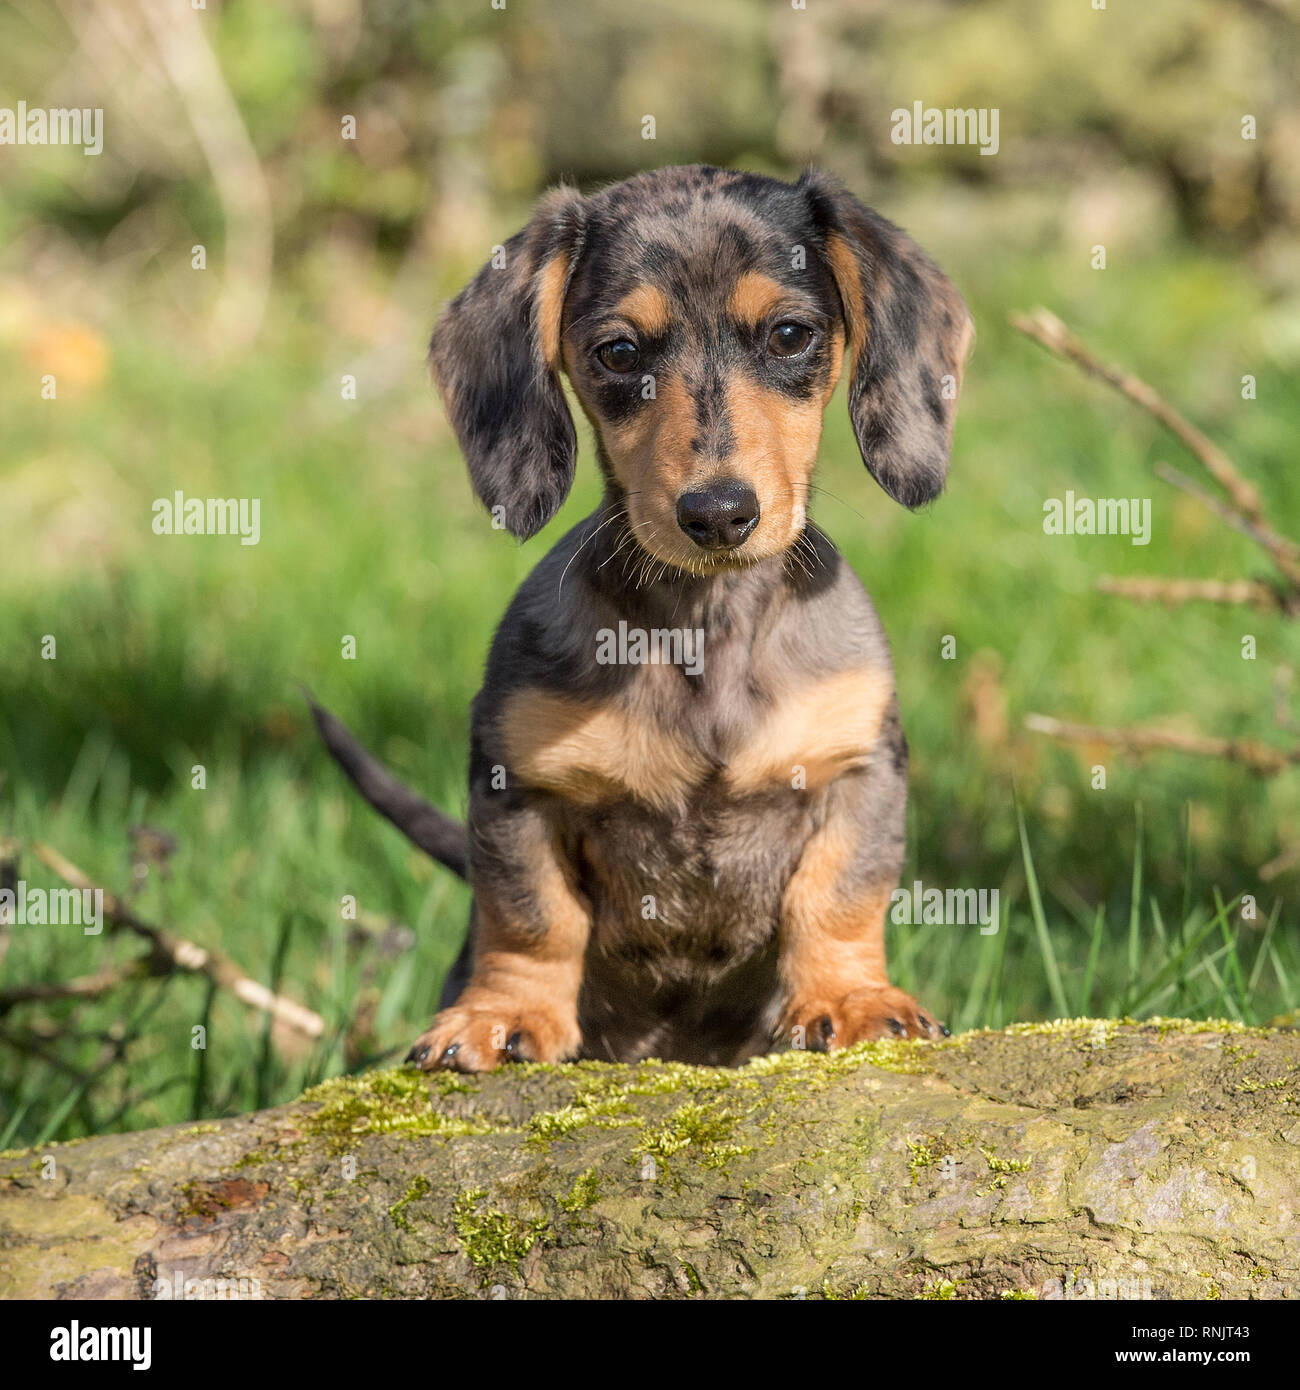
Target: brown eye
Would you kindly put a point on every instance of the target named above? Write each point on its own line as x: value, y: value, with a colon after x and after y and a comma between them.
x: 619, y: 356
x: 788, y: 339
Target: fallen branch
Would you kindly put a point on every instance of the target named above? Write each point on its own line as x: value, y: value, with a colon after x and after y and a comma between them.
x: 1242, y: 510
x: 186, y: 955
x: 1045, y: 328
x: 1052, y: 1161
x: 1248, y: 592
x: 1281, y: 864
x: 1252, y: 753
x: 82, y: 986
x: 1281, y: 551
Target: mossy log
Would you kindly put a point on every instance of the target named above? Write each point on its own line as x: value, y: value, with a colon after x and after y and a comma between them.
x: 1080, y: 1159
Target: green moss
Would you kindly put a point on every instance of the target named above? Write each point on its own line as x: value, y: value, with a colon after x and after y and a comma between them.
x: 858, y: 1293
x: 584, y: 1193
x: 927, y: 1151
x: 1005, y: 1165
x: 492, y: 1238
x: 942, y: 1289
x: 18, y: 1174
x: 420, y: 1187
x: 907, y: 1056
x: 605, y: 1106
x: 1008, y: 1295
x: 387, y: 1102
x: 1084, y: 1027
x: 45, y: 1148
x: 704, y: 1132
x: 1002, y: 1168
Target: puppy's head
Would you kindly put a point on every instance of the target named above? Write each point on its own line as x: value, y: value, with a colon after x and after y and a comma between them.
x: 703, y: 318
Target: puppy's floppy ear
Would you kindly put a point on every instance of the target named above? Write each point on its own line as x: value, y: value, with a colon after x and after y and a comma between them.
x: 909, y: 332
x: 495, y: 355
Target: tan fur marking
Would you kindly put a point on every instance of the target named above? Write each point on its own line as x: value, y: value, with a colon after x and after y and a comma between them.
x: 831, y: 943
x: 776, y: 442
x: 776, y: 450
x: 848, y: 279
x: 754, y: 297
x: 647, y: 308
x: 595, y: 753
x: 524, y: 981
x: 652, y: 459
x: 550, y: 306
x: 826, y: 729
x: 837, y: 363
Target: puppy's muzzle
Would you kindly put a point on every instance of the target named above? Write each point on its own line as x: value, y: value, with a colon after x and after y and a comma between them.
x: 720, y: 516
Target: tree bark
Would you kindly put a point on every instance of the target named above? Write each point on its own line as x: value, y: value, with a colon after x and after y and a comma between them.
x: 1082, y: 1159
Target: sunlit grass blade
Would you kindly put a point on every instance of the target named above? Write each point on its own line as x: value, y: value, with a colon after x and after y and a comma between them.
x: 1262, y: 954
x: 1230, y: 940
x: 1094, y: 954
x: 1045, y: 948
x: 1135, y: 907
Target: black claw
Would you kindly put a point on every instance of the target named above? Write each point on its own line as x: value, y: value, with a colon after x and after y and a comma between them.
x: 896, y: 1028
x: 823, y: 1034
x: 945, y: 1030
x: 449, y: 1052
x: 514, y: 1044
x: 418, y: 1053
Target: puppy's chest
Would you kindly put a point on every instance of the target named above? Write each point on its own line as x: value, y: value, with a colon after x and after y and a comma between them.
x: 663, y: 739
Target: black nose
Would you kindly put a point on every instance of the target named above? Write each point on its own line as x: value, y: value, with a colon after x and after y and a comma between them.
x: 720, y: 516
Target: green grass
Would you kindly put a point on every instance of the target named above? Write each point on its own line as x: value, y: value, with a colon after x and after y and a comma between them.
x: 174, y: 652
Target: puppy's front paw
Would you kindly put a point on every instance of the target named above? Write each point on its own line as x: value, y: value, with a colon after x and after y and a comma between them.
x: 483, y: 1030
x: 874, y: 1011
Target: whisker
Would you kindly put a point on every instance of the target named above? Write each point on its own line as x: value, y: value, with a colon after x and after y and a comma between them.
x: 613, y: 516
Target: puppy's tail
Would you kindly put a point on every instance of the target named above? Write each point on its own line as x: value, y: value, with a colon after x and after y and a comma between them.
x: 426, y: 827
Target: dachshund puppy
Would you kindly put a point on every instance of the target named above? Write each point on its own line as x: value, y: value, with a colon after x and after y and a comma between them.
x: 688, y: 775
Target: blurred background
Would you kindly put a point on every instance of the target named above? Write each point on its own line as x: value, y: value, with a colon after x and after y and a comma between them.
x: 1170, y: 890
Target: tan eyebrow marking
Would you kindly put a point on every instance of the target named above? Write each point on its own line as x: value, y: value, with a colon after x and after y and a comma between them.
x: 647, y: 307
x: 754, y: 296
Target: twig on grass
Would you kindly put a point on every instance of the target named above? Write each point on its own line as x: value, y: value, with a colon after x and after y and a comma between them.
x: 1252, y: 753
x: 1241, y: 509
x: 1284, y: 553
x: 82, y: 986
x: 1250, y: 593
x: 1044, y: 327
x: 182, y: 954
